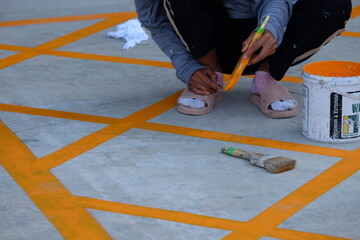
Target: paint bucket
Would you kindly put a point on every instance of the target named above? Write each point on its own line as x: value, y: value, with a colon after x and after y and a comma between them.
x: 331, y: 111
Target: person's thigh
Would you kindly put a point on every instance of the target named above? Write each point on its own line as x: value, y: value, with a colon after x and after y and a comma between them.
x: 312, y: 25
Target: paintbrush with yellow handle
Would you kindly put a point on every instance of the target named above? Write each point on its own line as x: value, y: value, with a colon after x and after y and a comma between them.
x: 273, y: 164
x: 243, y: 62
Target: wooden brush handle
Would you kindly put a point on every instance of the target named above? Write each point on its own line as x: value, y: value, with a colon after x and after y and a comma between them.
x: 237, y: 153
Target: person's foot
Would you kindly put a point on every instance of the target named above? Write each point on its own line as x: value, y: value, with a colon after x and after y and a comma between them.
x: 263, y: 79
x: 195, y: 102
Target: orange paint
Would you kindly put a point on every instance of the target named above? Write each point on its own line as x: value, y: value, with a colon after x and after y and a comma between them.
x: 14, y: 48
x: 309, y: 192
x: 86, y: 56
x: 351, y: 34
x: 63, y: 19
x: 45, y: 190
x: 241, y: 229
x: 333, y: 69
x: 110, y: 58
x: 67, y: 212
x: 355, y: 12
x: 270, y: 143
x: 58, y: 114
x: 64, y: 40
x: 105, y: 134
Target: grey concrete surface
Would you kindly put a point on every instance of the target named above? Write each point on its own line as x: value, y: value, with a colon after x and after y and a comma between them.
x: 20, y: 218
x: 149, y: 168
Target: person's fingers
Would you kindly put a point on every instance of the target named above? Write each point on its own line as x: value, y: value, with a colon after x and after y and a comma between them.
x: 245, y: 44
x: 266, y: 50
x: 198, y: 89
x: 267, y: 46
x: 248, y: 53
x: 208, y: 78
x: 211, y: 74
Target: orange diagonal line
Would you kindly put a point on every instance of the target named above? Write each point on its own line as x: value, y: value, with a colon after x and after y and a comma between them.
x: 104, y: 58
x: 58, y: 114
x: 175, y: 216
x: 198, y: 220
x: 243, y: 139
x: 87, y: 56
x: 351, y: 34
x: 69, y: 38
x: 105, y: 134
x: 253, y: 232
x: 114, y: 59
x: 306, y: 194
x: 87, y: 31
x: 355, y: 11
x: 15, y: 48
x: 60, y: 19
x: 45, y: 190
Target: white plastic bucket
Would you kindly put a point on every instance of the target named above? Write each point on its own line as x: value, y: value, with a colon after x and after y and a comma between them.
x: 331, y: 111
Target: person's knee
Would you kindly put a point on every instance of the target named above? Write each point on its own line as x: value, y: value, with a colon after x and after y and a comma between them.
x: 336, y: 10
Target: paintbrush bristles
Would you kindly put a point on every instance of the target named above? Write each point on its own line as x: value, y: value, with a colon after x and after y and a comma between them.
x: 279, y: 164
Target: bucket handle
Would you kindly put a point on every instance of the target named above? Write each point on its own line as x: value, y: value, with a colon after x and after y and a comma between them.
x: 327, y: 86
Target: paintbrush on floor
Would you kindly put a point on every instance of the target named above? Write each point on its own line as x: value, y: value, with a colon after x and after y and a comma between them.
x: 273, y: 164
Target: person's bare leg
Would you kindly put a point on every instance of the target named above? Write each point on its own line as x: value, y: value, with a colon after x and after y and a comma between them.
x: 211, y: 60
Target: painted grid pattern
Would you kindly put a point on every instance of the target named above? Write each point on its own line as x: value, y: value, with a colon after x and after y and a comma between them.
x: 68, y: 212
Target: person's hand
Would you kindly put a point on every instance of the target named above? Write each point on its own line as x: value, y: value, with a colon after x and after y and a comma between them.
x: 266, y: 43
x: 204, y: 82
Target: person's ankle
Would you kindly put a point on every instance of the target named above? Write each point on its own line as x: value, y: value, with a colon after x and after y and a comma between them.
x: 261, y: 80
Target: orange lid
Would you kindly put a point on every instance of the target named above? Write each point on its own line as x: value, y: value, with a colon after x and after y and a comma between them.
x: 333, y: 69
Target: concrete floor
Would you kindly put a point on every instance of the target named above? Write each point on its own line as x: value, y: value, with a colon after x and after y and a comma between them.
x: 92, y: 147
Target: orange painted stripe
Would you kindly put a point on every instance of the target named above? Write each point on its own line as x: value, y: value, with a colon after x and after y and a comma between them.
x: 44, y: 189
x: 198, y: 220
x: 87, y: 56
x: 252, y: 232
x: 169, y: 215
x: 85, y: 32
x: 309, y: 192
x: 15, y: 48
x: 58, y: 114
x: 298, y: 235
x: 105, y: 134
x: 104, y: 58
x: 351, y: 34
x: 66, y: 39
x: 14, y: 59
x: 292, y: 79
x: 297, y: 200
x: 79, y: 147
x: 243, y: 139
x: 355, y: 11
x: 62, y: 19
x: 177, y: 130
x: 96, y: 57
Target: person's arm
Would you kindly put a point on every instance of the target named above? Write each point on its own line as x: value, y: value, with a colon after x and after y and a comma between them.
x: 280, y: 12
x: 152, y: 16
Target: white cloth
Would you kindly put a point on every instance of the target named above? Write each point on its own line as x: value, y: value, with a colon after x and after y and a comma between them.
x: 131, y: 31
